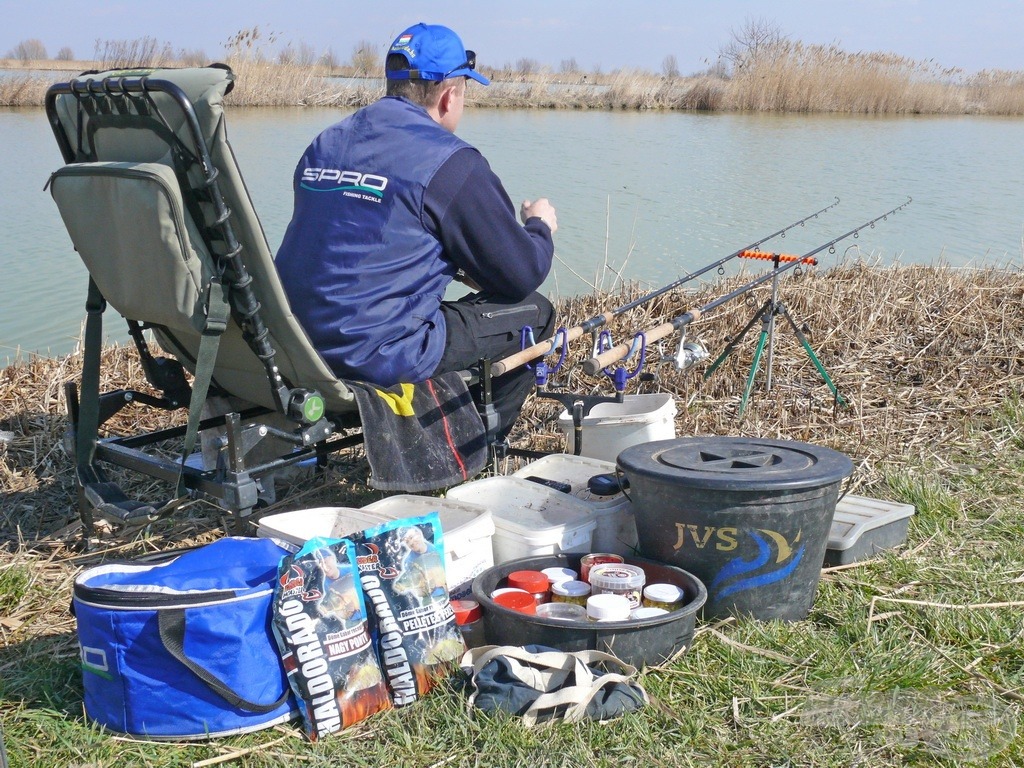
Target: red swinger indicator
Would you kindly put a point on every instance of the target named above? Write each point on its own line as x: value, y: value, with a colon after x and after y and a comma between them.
x: 780, y: 257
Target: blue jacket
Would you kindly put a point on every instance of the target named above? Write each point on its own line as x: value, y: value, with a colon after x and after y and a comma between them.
x: 362, y: 273
x: 388, y: 207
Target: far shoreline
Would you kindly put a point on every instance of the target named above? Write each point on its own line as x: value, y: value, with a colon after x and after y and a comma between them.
x: 795, y: 79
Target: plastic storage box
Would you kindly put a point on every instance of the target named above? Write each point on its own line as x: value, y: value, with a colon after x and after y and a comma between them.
x: 529, y: 518
x: 468, y: 531
x: 611, y: 427
x: 616, y: 528
x: 862, y: 527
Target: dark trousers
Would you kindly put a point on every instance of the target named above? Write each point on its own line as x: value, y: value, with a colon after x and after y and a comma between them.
x: 485, y: 326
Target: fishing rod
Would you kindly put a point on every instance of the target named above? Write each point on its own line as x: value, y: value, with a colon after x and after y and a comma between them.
x: 544, y: 347
x: 594, y: 364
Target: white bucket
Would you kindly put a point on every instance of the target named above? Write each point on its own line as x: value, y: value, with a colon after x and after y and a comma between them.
x: 530, y: 519
x: 610, y: 428
x: 616, y: 527
x: 468, y: 529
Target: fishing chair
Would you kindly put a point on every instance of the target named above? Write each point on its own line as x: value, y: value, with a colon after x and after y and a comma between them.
x: 156, y: 207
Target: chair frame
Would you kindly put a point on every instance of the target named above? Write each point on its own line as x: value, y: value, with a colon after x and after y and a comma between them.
x: 236, y: 484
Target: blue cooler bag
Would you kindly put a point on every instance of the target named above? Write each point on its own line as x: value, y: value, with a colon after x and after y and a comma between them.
x: 183, y: 648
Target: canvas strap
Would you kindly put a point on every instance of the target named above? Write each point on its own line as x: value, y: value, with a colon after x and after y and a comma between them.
x: 89, y: 398
x: 218, y: 310
x: 171, y: 625
x: 547, y: 672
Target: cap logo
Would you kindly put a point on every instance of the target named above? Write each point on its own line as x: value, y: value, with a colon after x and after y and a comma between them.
x: 404, y: 40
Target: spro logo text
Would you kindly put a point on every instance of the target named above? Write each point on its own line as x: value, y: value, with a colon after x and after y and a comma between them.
x: 366, y: 182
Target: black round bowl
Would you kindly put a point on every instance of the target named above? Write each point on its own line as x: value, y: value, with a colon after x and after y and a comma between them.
x: 638, y: 642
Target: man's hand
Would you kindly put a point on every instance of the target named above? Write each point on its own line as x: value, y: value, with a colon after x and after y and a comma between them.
x: 542, y: 209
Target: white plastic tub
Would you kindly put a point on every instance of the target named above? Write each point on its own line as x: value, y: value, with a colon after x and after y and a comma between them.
x: 293, y: 529
x: 610, y: 428
x: 616, y: 527
x: 468, y: 529
x: 530, y: 519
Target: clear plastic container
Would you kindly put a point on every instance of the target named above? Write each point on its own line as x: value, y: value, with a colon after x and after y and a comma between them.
x: 562, y: 611
x: 667, y: 596
x: 469, y: 617
x: 597, y: 558
x: 571, y: 591
x: 608, y: 607
x: 644, y: 612
x: 619, y: 579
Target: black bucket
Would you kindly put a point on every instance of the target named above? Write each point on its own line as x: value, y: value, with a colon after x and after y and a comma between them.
x: 638, y: 642
x: 749, y: 517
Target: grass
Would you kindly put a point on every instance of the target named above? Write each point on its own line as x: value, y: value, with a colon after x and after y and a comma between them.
x: 915, y: 657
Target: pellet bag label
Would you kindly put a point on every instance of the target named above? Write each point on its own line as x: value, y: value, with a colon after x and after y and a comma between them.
x: 322, y: 630
x: 401, y: 567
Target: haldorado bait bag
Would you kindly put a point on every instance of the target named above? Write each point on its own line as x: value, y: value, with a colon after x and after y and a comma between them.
x: 401, y: 566
x: 182, y: 647
x: 322, y: 631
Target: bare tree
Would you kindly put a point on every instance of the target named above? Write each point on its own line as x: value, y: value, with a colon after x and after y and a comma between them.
x: 28, y: 50
x: 670, y: 67
x: 569, y: 66
x: 65, y: 54
x: 752, y: 43
x: 526, y: 66
x: 366, y: 59
x: 305, y: 55
x: 329, y: 59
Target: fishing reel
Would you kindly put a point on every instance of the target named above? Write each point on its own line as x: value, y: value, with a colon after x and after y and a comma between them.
x: 687, y: 355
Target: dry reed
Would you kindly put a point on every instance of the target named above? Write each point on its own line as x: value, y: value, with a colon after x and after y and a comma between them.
x: 787, y: 77
x: 926, y: 356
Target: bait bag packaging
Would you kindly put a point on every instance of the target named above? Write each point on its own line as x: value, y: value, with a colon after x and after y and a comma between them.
x: 401, y: 566
x: 324, y: 637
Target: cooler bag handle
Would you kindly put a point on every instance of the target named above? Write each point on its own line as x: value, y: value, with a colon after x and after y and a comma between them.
x: 171, y: 623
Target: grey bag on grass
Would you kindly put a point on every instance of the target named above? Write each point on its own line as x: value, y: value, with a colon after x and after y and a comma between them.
x: 538, y: 683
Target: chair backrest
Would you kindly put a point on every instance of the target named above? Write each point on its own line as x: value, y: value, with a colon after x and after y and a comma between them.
x: 155, y: 204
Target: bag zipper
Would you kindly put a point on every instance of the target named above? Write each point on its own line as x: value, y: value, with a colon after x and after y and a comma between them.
x: 90, y: 169
x: 509, y: 311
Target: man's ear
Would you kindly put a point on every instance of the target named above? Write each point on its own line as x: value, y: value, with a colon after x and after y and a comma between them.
x: 444, y: 103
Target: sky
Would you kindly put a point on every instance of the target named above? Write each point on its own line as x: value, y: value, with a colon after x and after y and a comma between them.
x: 597, y: 34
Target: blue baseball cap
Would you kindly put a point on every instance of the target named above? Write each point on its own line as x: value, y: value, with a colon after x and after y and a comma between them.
x: 434, y: 52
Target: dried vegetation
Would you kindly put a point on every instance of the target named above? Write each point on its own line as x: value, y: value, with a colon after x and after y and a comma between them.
x: 928, y: 359
x: 782, y: 76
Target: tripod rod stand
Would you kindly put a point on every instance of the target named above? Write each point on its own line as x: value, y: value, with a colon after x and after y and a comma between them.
x: 766, y: 315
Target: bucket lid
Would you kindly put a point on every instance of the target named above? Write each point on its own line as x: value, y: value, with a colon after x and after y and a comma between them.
x: 736, y: 463
x: 558, y: 573
x: 531, y: 581
x: 608, y: 607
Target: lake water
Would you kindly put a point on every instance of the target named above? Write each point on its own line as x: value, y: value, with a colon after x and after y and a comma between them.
x: 652, y: 195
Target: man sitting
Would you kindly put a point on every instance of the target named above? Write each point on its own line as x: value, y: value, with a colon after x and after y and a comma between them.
x: 390, y: 208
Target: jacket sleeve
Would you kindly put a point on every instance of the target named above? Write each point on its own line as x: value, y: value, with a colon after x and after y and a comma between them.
x: 470, y: 213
